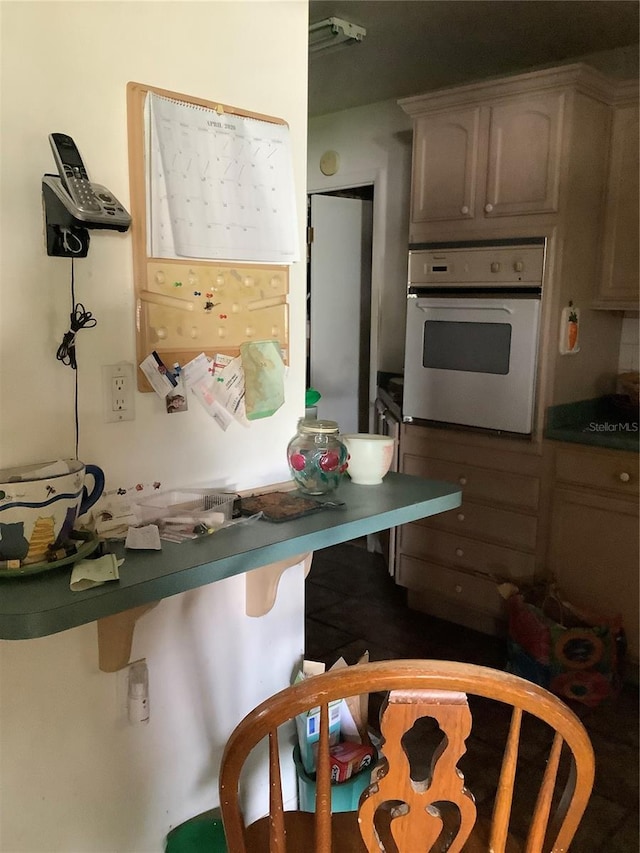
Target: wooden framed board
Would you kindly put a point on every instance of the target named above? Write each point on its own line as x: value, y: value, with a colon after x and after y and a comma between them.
x: 189, y: 305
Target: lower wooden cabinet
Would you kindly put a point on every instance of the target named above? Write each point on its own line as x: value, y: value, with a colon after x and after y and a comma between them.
x: 570, y: 510
x: 593, y: 544
x: 452, y: 563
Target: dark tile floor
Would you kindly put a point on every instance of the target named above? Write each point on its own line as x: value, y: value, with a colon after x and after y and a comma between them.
x: 352, y: 605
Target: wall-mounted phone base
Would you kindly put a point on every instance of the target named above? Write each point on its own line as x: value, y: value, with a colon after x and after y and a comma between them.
x: 65, y: 237
x: 67, y: 242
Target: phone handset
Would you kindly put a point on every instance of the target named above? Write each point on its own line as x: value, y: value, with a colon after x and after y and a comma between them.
x: 88, y: 204
x: 73, y: 173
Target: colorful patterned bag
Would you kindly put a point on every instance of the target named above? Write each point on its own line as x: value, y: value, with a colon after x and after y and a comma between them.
x: 575, y: 654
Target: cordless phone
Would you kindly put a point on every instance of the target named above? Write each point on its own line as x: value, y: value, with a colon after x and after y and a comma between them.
x: 92, y: 204
x: 73, y: 173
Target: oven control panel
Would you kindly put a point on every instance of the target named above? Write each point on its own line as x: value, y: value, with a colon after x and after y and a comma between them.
x: 481, y: 266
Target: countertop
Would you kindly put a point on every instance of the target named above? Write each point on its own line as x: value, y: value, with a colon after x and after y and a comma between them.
x: 40, y: 605
x: 603, y: 422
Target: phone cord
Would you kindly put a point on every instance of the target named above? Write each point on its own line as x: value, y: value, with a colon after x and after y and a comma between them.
x: 79, y: 318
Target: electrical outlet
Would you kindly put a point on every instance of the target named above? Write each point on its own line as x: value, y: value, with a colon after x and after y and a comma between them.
x: 118, y: 392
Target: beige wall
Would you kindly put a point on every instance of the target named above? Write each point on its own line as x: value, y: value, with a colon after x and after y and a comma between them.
x: 75, y: 776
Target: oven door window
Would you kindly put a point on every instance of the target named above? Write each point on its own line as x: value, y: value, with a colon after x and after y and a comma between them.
x: 473, y: 347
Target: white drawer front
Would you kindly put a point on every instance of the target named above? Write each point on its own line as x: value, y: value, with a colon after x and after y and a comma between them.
x: 477, y: 521
x: 481, y: 484
x: 473, y: 591
x: 470, y: 554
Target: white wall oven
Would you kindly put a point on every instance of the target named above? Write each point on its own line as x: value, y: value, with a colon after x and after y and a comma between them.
x: 473, y: 318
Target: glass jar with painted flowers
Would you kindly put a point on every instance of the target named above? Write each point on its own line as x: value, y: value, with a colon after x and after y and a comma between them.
x: 317, y: 458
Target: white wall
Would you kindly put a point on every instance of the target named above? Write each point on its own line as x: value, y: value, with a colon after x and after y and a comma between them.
x: 374, y: 146
x: 74, y: 777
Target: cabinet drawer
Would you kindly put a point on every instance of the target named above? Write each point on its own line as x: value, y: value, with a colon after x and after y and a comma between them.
x: 479, y: 484
x: 616, y: 470
x: 463, y: 553
x: 496, y: 454
x: 476, y: 521
x: 473, y: 591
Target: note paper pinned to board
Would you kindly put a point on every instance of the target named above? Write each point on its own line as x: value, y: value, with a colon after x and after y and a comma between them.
x: 263, y: 378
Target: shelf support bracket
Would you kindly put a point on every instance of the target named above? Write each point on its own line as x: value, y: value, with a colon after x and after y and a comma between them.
x: 262, y: 583
x: 115, y: 637
x: 115, y: 633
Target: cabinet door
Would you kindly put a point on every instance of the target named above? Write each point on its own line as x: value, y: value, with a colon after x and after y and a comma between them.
x: 594, y: 555
x: 525, y: 136
x: 445, y: 166
x: 619, y: 285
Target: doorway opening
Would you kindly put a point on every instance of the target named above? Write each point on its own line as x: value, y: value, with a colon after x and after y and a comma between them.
x: 339, y: 266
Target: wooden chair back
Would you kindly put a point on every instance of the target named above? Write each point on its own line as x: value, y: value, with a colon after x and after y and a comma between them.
x: 397, y: 813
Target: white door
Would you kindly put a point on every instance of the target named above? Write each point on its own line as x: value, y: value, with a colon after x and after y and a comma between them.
x: 339, y: 313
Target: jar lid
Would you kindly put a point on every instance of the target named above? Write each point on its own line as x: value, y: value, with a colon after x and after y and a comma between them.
x: 312, y: 425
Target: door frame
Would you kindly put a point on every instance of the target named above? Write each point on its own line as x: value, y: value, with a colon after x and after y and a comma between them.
x: 355, y: 181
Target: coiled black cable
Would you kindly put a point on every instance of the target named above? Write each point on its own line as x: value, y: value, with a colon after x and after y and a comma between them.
x: 79, y: 318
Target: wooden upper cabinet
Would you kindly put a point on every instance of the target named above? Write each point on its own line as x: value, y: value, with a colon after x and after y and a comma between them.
x: 445, y: 166
x: 517, y: 153
x: 523, y: 169
x: 619, y: 286
x: 487, y: 161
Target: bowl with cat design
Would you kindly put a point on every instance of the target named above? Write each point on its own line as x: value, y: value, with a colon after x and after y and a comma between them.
x: 39, y: 505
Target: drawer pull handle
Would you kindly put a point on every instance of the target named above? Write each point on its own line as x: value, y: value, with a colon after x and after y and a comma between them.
x: 460, y: 516
x: 488, y: 208
x: 459, y: 552
x: 624, y: 477
x: 458, y: 588
x: 464, y: 210
x: 462, y: 481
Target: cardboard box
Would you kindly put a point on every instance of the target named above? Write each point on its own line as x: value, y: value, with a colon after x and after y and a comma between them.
x: 347, y: 718
x: 347, y: 759
x: 308, y: 725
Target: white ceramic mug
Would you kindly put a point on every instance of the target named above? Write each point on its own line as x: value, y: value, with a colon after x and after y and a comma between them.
x: 370, y: 457
x: 39, y: 505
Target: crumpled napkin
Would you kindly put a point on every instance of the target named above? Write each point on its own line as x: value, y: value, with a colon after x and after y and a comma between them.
x: 89, y: 573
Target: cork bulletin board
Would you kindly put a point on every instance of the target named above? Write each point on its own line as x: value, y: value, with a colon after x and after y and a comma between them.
x: 210, y: 271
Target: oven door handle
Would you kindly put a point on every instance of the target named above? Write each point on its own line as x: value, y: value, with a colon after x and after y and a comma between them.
x: 458, y: 307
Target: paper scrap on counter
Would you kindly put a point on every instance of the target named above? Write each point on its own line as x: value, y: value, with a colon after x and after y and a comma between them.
x: 116, y: 528
x: 116, y: 510
x: 160, y: 377
x: 145, y: 538
x: 89, y: 573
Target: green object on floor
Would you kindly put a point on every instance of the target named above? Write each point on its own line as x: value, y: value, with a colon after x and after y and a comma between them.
x: 201, y: 834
